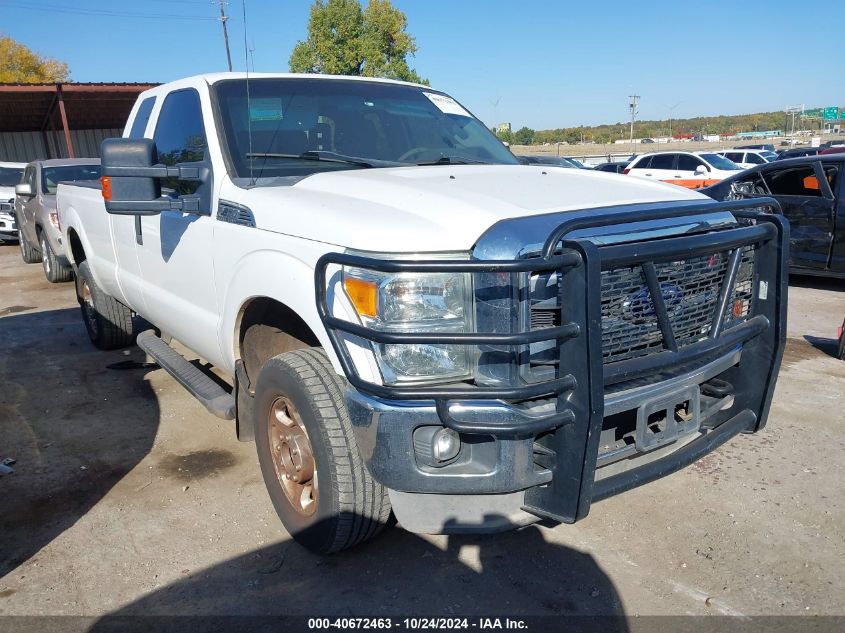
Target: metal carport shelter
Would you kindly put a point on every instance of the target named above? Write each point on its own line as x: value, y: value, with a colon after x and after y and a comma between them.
x: 62, y: 120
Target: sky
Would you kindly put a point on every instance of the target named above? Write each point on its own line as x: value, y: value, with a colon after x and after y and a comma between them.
x: 539, y: 63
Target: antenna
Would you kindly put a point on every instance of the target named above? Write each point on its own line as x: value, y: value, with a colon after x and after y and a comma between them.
x: 248, y: 109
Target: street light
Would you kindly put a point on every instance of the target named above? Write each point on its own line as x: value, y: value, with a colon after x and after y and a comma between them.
x: 671, y: 110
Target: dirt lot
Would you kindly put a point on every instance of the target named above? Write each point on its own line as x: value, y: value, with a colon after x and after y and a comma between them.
x: 129, y: 498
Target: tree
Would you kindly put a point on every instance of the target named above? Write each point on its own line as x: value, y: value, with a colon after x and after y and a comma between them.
x: 344, y: 39
x: 19, y: 64
x: 523, y: 136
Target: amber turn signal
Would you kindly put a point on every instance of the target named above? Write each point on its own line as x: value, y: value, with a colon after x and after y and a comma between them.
x: 363, y: 294
x: 105, y: 181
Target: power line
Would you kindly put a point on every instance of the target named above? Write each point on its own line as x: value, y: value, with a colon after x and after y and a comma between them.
x: 223, y: 20
x: 100, y: 12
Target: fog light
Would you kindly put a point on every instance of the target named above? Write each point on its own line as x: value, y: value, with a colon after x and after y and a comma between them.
x: 445, y: 445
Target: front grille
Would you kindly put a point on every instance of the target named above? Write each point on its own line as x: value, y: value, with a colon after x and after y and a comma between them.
x: 690, y: 288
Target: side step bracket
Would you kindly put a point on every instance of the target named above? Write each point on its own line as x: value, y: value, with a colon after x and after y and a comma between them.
x: 213, y: 397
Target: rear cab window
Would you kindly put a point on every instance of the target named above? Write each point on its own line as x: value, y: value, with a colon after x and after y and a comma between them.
x: 142, y: 117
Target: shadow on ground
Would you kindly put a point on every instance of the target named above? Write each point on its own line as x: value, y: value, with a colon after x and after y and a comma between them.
x: 74, y: 427
x: 398, y: 574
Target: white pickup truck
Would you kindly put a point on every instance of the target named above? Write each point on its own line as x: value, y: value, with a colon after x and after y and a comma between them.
x: 411, y: 319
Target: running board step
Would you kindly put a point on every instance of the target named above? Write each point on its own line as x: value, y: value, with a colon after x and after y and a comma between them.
x: 216, y: 399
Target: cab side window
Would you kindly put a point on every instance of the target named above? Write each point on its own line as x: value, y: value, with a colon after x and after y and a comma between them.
x: 688, y: 163
x: 662, y: 161
x: 29, y: 178
x: 755, y: 159
x: 794, y: 181
x: 180, y: 136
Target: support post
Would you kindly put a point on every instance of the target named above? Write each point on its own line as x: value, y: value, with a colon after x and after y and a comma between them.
x: 63, y: 114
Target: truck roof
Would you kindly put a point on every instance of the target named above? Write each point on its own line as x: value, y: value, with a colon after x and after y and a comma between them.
x: 212, y: 78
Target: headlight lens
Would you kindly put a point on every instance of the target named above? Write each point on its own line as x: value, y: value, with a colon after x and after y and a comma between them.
x: 414, y: 302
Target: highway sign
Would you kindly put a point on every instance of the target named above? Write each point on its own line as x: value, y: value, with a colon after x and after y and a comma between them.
x: 831, y: 113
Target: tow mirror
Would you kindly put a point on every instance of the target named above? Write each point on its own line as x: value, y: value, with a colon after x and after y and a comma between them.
x: 24, y: 189
x: 131, y: 174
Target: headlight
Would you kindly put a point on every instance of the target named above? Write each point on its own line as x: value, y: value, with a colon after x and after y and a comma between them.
x: 414, y: 302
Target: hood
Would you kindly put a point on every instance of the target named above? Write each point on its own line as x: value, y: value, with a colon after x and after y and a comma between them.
x: 437, y: 208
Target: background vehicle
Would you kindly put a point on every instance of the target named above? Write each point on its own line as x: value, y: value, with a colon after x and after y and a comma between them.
x: 411, y: 319
x: 10, y: 175
x: 833, y: 149
x: 749, y: 158
x: 38, y: 218
x: 766, y: 146
x: 578, y: 163
x: 810, y: 192
x: 797, y: 152
x: 613, y: 167
x: 692, y: 170
x: 557, y: 161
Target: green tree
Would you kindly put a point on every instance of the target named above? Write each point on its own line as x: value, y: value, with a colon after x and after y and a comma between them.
x: 344, y: 39
x: 20, y: 64
x: 523, y: 136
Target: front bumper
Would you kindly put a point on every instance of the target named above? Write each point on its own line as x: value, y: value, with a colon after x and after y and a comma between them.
x: 576, y: 438
x: 8, y: 225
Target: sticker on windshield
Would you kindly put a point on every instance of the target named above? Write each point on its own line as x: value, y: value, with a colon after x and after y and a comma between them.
x: 269, y: 109
x: 445, y: 104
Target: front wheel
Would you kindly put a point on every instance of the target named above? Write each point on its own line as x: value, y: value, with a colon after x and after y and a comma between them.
x: 314, y: 473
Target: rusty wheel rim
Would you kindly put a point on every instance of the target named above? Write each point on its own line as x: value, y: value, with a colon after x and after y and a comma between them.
x: 293, y: 458
x: 88, y: 308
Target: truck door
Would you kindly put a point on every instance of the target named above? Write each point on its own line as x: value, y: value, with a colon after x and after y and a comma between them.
x: 805, y: 197
x: 833, y: 173
x: 176, y: 256
x: 27, y: 206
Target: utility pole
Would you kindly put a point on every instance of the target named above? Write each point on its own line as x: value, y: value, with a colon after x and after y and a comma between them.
x: 223, y: 20
x: 633, y: 106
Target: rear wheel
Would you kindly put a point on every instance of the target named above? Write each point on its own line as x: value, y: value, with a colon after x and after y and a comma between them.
x: 29, y: 254
x: 108, y: 322
x: 309, y: 459
x: 54, y: 270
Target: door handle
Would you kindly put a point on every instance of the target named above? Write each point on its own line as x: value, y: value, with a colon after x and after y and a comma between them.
x: 648, y: 174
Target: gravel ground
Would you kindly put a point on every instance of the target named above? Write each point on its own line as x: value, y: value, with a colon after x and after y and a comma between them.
x: 129, y: 498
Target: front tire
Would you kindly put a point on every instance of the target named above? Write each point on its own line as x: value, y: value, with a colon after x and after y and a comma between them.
x: 314, y: 473
x: 108, y: 322
x: 54, y: 270
x: 28, y: 254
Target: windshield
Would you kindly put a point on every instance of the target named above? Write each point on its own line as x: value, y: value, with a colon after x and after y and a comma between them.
x: 720, y: 162
x: 295, y: 127
x: 52, y: 176
x: 10, y: 176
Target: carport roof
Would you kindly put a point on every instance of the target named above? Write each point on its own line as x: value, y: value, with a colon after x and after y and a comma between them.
x: 87, y: 106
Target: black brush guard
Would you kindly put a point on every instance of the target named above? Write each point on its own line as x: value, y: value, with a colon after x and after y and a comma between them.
x: 570, y: 436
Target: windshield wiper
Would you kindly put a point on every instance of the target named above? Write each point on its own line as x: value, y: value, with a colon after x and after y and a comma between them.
x: 454, y: 160
x: 329, y: 157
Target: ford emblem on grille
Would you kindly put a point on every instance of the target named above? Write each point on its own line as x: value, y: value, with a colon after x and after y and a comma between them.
x: 638, y: 307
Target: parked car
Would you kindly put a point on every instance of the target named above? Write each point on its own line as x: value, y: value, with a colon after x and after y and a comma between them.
x: 833, y: 149
x: 646, y: 141
x: 811, y: 196
x: 578, y: 163
x: 38, y: 219
x: 614, y: 167
x: 797, y: 152
x: 692, y: 170
x: 10, y: 175
x: 766, y: 146
x: 556, y: 161
x: 746, y: 158
x: 407, y: 317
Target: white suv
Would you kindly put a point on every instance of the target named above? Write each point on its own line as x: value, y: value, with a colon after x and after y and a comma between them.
x: 747, y: 158
x: 692, y: 170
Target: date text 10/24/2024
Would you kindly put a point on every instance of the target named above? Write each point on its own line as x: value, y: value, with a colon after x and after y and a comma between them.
x: 417, y: 624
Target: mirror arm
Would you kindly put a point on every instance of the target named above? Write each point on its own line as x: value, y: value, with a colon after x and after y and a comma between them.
x: 153, y: 207
x: 180, y: 172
